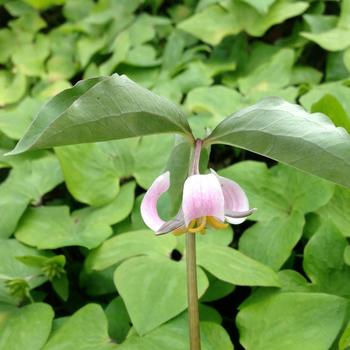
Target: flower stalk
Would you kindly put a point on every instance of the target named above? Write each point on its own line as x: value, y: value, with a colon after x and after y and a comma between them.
x: 191, y: 265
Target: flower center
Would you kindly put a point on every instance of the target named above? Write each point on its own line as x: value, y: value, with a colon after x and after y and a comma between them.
x: 199, y: 225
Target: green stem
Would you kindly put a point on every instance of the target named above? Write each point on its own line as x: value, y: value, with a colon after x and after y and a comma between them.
x: 192, y: 293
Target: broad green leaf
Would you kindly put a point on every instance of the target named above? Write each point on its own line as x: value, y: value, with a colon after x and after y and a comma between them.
x: 279, y: 191
x: 344, y: 341
x: 337, y: 211
x: 330, y: 106
x: 272, y: 242
x: 70, y: 117
x: 146, y: 281
x: 337, y: 38
x: 274, y: 74
x: 11, y: 267
x: 324, y: 261
x: 212, y: 24
x: 30, y: 178
x: 28, y: 63
x: 118, y: 319
x: 286, y: 133
x: 218, y: 100
x: 260, y: 5
x: 7, y: 47
x: 230, y: 265
x: 27, y: 327
x: 12, y: 87
x: 127, y: 245
x: 15, y: 120
x: 53, y: 227
x: 84, y: 330
x: 93, y: 171
x: 336, y: 89
x: 217, y: 289
x: 42, y: 4
x: 291, y: 321
x: 175, y: 332
x: 305, y: 74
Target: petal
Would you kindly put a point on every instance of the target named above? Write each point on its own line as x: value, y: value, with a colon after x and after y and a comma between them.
x: 236, y: 200
x: 202, y: 196
x: 149, y: 210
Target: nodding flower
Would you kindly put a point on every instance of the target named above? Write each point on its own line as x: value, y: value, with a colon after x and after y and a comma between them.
x: 208, y: 200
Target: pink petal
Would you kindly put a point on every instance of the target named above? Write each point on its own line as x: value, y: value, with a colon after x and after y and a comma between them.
x: 236, y: 200
x: 202, y: 196
x: 149, y: 210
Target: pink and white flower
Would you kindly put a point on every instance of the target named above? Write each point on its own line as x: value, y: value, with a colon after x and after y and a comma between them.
x: 207, y: 200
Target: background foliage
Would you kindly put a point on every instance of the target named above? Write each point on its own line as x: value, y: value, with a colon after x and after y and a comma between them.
x: 78, y: 268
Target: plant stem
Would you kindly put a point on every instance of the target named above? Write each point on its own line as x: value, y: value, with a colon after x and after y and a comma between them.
x: 192, y: 293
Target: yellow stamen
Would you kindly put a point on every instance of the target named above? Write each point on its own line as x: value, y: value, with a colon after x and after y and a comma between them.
x: 199, y: 228
x: 216, y: 223
x: 181, y: 230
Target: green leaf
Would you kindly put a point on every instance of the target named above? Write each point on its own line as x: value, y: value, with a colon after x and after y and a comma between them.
x: 279, y: 191
x: 330, y: 106
x: 85, y: 330
x: 272, y: 242
x: 12, y: 268
x: 53, y: 227
x: 118, y: 319
x: 324, y: 261
x: 127, y: 245
x: 146, y: 281
x: 12, y: 87
x: 175, y: 332
x: 261, y: 6
x: 291, y: 321
x: 274, y: 74
x: 230, y: 265
x: 61, y: 286
x: 286, y: 133
x: 25, y: 328
x: 337, y: 38
x: 93, y: 171
x: 212, y: 24
x: 31, y: 177
x: 126, y: 105
x: 15, y: 120
x: 344, y: 341
x: 337, y: 210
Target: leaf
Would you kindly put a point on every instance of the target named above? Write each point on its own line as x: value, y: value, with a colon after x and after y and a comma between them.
x: 146, y: 281
x: 232, y: 266
x: 291, y: 321
x: 12, y: 87
x: 274, y: 74
x: 16, y: 324
x: 84, y: 330
x: 175, y: 332
x: 31, y: 177
x: 272, y: 242
x: 53, y: 227
x: 286, y: 133
x: 93, y: 171
x: 324, y: 261
x: 61, y: 287
x: 337, y: 210
x: 127, y: 245
x: 330, y: 106
x: 15, y: 120
x: 279, y: 191
x: 337, y: 38
x: 12, y: 268
x: 261, y: 6
x: 212, y: 24
x: 344, y: 341
x: 218, y: 100
x: 125, y: 105
x: 118, y: 319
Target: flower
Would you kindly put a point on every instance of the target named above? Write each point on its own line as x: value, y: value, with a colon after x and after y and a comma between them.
x: 207, y: 200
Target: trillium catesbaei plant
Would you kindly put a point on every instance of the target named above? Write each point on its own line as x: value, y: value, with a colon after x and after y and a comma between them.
x: 273, y: 128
